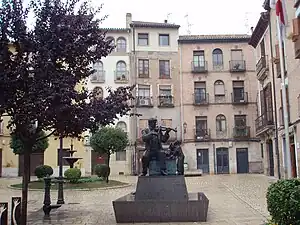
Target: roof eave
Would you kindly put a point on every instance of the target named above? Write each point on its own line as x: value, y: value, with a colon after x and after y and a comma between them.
x: 260, y: 29
x: 214, y: 40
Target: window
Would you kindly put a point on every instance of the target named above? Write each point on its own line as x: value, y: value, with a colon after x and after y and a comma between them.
x: 201, y: 126
x: 240, y: 121
x: 237, y: 63
x: 221, y: 123
x: 166, y: 122
x: 121, y: 44
x: 144, y: 91
x: 121, y: 71
x: 164, y: 69
x: 99, y: 74
x: 219, y: 88
x: 143, y: 123
x: 112, y: 41
x: 122, y: 125
x: 121, y: 156
x: 200, y: 92
x: 65, y: 153
x: 165, y: 95
x: 1, y: 126
x: 143, y: 68
x: 143, y: 39
x: 236, y: 55
x: 98, y: 93
x: 198, y: 60
x: 217, y: 58
x: 238, y: 91
x: 164, y: 40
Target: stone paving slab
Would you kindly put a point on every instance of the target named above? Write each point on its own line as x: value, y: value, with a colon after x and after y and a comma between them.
x: 234, y: 199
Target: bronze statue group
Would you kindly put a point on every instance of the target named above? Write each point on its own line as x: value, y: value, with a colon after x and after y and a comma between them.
x: 153, y: 137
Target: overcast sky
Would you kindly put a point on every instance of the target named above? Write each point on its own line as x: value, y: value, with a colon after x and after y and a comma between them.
x: 206, y: 16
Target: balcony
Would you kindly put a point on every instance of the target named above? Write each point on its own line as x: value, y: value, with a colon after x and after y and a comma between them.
x: 239, y: 99
x: 297, y: 48
x: 241, y: 132
x: 144, y: 101
x: 262, y: 67
x: 264, y: 122
x: 237, y: 66
x: 98, y: 77
x: 201, y: 99
x: 202, y: 135
x: 199, y: 66
x: 121, y: 76
x: 165, y: 101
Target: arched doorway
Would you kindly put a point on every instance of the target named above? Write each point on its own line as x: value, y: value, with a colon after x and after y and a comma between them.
x: 270, y: 151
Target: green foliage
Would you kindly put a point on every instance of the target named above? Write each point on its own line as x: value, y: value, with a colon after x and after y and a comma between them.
x: 102, y: 170
x: 283, y: 199
x: 89, y: 180
x: 73, y: 175
x: 43, y: 171
x: 109, y: 140
x: 18, y: 146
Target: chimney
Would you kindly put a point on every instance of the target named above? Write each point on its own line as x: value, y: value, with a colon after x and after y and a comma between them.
x: 128, y: 20
x: 166, y: 21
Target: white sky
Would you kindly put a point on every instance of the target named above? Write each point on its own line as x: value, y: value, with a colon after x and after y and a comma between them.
x: 206, y: 16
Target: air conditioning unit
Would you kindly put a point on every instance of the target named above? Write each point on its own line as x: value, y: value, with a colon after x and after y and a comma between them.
x: 144, y: 101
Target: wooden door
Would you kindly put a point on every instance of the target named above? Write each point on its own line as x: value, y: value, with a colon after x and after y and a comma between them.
x: 222, y: 161
x: 242, y: 160
x: 203, y: 160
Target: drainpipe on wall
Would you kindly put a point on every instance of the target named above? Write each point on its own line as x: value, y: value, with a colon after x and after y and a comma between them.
x: 181, y: 94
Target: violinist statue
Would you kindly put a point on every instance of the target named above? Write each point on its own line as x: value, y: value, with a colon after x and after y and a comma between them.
x: 154, y: 136
x: 177, y: 153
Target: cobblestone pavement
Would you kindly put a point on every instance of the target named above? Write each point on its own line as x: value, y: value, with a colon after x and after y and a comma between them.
x: 234, y: 199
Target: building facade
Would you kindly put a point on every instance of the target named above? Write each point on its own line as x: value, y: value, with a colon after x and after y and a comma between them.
x: 113, y: 71
x: 270, y: 83
x: 155, y: 66
x: 218, y: 92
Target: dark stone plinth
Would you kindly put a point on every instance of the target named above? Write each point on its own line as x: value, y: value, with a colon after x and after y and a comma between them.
x: 154, y: 167
x: 161, y: 199
x: 129, y: 210
x: 161, y: 188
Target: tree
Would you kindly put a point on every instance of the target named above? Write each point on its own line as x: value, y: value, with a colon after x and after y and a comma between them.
x: 39, y: 78
x: 109, y: 140
x: 40, y: 146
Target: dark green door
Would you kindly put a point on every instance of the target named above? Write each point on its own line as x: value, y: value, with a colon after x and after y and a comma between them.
x: 222, y: 161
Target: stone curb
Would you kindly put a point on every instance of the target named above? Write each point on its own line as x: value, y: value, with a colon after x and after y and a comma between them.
x: 77, y: 189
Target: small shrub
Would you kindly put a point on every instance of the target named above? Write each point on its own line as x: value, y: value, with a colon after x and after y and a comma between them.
x: 43, y: 171
x: 73, y: 175
x: 283, y: 200
x: 89, y: 179
x: 102, y: 170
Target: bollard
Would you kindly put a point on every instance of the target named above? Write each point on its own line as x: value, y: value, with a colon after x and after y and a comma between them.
x: 47, y: 199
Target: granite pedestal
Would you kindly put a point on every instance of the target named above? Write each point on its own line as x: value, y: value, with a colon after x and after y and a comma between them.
x: 161, y: 199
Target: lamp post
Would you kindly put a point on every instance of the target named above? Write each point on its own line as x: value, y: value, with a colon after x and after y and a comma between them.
x: 60, y: 194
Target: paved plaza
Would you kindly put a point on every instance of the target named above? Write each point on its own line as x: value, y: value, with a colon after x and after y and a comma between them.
x: 234, y: 199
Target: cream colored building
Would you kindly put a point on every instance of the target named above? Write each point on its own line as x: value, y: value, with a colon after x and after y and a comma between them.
x: 264, y: 40
x: 219, y: 91
x: 155, y: 66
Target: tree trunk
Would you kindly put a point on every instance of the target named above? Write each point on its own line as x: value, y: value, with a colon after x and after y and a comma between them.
x: 25, y: 181
x: 107, y: 163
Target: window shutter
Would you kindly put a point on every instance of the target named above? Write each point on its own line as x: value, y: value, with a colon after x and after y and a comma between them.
x: 219, y: 89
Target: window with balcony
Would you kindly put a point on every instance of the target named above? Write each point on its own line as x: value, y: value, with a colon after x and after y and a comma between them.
x: 143, y: 39
x: 164, y: 39
x: 143, y: 68
x: 121, y: 44
x: 219, y: 91
x: 239, y: 96
x: 220, y: 124
x: 199, y: 64
x: 121, y: 71
x: 296, y: 35
x: 169, y: 123
x: 241, y: 130
x: 165, y: 95
x: 237, y: 63
x: 201, y: 128
x: 144, y: 97
x: 262, y: 65
x: 99, y: 75
x: 97, y: 93
x: 164, y: 69
x: 217, y: 59
x: 200, y: 95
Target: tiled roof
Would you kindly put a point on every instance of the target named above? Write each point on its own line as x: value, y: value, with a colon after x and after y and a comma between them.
x: 153, y: 25
x: 214, y: 38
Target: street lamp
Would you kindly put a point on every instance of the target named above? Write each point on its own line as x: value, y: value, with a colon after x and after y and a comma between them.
x: 60, y: 194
